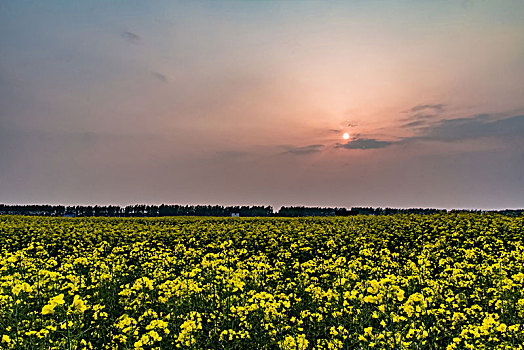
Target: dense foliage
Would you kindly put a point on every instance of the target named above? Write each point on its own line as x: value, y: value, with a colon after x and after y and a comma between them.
x: 142, y: 210
x: 137, y: 210
x: 404, y: 282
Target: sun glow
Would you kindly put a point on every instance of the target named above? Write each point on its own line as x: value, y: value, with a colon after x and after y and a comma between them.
x: 345, y: 136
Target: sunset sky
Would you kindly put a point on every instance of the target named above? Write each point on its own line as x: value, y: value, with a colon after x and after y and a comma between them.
x: 246, y: 102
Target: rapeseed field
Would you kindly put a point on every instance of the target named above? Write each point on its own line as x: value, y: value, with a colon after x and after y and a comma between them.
x: 446, y: 281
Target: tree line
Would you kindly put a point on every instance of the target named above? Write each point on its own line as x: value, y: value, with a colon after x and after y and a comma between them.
x: 141, y: 210
x: 137, y: 210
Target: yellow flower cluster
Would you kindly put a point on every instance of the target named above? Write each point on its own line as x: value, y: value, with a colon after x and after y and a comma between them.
x: 53, y: 302
x: 444, y: 281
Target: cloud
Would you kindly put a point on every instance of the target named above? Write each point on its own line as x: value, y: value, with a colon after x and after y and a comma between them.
x: 457, y: 129
x: 301, y: 150
x: 422, y: 114
x: 414, y: 124
x: 131, y: 37
x: 364, y: 143
x: 478, y: 126
x: 449, y: 130
x: 435, y: 108
x: 159, y: 76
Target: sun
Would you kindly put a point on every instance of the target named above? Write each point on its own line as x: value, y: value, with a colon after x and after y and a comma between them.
x: 345, y: 136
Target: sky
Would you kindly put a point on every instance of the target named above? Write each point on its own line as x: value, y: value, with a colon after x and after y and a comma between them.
x: 246, y: 102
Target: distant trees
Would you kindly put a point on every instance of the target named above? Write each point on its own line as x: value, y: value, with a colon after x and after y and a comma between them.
x: 315, y: 211
x: 141, y: 210
x: 306, y: 211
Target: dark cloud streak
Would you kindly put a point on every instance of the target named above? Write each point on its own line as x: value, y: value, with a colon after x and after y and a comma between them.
x: 364, y: 143
x: 450, y: 130
x: 302, y: 150
x: 435, y: 107
x: 423, y: 114
x: 159, y: 76
x: 414, y: 124
x: 131, y: 37
x: 475, y: 127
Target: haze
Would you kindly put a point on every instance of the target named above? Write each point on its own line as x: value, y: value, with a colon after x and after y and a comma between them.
x: 243, y: 103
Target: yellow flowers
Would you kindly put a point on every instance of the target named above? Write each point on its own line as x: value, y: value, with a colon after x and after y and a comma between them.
x: 126, y: 324
x: 400, y: 295
x: 298, y: 342
x: 398, y: 282
x: 502, y: 328
x: 373, y: 287
x: 78, y: 305
x: 158, y: 324
x: 22, y: 287
x: 6, y: 339
x: 58, y: 300
x: 49, y: 309
x: 192, y: 324
x: 368, y: 331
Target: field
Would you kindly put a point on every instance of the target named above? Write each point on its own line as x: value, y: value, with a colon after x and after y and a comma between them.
x: 446, y: 281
